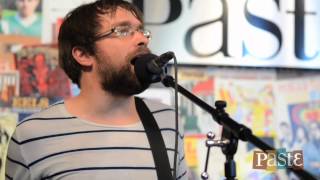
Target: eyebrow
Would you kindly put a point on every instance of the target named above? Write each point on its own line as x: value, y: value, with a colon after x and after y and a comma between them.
x: 127, y: 23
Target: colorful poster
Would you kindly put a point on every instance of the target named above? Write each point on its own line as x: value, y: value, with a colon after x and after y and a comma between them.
x: 21, y: 18
x: 30, y: 104
x: 300, y: 111
x: 9, y: 88
x: 7, y: 62
x: 42, y: 81
x: 244, y: 160
x: 199, y: 82
x: 198, y: 122
x: 190, y: 146
x: 40, y: 74
x: 305, y: 122
x: 8, y: 123
x: 196, y: 155
x: 53, y: 14
x: 250, y: 102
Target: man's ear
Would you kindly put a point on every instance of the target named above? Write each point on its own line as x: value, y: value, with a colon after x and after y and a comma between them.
x: 82, y: 57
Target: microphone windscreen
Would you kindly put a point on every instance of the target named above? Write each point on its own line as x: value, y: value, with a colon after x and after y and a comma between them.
x: 141, y: 70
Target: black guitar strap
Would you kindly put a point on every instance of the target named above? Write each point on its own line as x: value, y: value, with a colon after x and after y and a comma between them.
x: 155, y: 139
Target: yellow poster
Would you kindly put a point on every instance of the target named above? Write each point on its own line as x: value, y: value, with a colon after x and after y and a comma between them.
x: 8, y: 122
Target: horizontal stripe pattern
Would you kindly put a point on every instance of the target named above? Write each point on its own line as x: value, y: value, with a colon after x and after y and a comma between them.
x: 17, y: 162
x: 51, y: 147
x: 41, y: 119
x: 182, y: 175
x: 98, y: 168
x: 86, y: 132
x: 161, y: 110
x: 8, y: 177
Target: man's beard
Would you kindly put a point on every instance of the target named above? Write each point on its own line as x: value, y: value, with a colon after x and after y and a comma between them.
x: 119, y: 82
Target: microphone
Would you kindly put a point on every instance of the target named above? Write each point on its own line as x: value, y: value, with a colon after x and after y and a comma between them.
x: 148, y: 67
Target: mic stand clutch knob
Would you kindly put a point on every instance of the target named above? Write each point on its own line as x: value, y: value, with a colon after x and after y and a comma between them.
x: 209, y: 143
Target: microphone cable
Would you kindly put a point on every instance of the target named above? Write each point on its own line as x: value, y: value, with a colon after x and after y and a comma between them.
x: 176, y: 106
x: 175, y: 65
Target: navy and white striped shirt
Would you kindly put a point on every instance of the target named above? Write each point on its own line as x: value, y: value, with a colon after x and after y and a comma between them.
x: 53, y: 144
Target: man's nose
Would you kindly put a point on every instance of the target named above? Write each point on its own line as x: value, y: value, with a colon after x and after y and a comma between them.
x: 141, y: 38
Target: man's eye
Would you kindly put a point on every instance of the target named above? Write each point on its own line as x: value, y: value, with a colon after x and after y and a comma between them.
x: 124, y: 31
x: 141, y: 30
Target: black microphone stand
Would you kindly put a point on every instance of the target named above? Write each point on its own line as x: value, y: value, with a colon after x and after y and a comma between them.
x: 232, y: 131
x: 229, y: 149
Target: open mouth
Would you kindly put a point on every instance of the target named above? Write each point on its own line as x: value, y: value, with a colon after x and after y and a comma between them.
x: 133, y: 61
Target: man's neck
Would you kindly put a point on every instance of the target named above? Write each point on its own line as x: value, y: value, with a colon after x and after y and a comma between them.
x: 98, y: 106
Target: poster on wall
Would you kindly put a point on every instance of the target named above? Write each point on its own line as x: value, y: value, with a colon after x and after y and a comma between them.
x: 200, y: 82
x: 250, y: 101
x: 42, y: 81
x: 20, y: 24
x: 8, y: 121
x: 300, y: 118
x: 9, y: 88
x: 20, y: 18
x: 197, y: 122
x: 53, y: 14
x: 7, y: 62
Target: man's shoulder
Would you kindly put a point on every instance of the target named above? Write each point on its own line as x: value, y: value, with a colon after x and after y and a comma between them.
x: 163, y: 114
x: 43, y: 122
x: 54, y: 111
x: 47, y: 112
x: 157, y: 106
